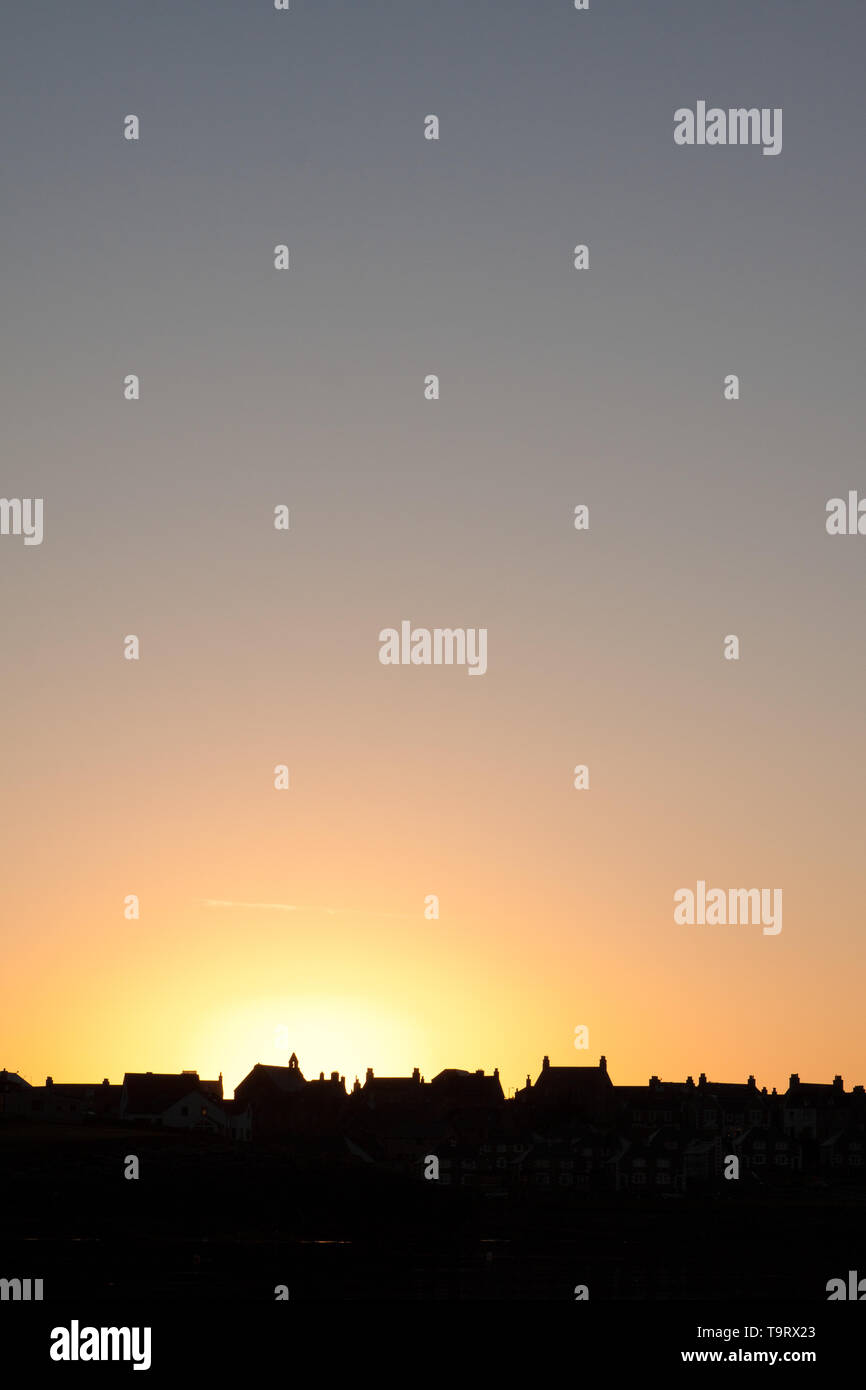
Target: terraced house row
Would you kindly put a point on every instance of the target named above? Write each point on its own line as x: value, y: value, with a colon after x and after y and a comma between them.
x: 570, y: 1128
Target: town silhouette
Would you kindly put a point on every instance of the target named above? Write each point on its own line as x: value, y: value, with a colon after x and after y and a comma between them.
x: 400, y: 1188
x: 571, y: 1128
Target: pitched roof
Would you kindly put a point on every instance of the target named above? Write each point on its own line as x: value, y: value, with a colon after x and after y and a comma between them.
x: 95, y: 1098
x: 286, y: 1079
x: 811, y: 1093
x: 150, y: 1093
x: 573, y: 1083
x: 467, y: 1087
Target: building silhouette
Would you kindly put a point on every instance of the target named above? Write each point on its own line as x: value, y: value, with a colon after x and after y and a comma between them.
x: 570, y: 1129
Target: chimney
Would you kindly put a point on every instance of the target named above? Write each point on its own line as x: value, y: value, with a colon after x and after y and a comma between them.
x: 369, y: 1075
x: 496, y: 1073
x: 702, y: 1079
x: 751, y: 1083
x: 794, y: 1080
x: 321, y: 1076
x: 105, y: 1081
x: 416, y: 1075
x: 49, y: 1081
x: 335, y: 1076
x: 837, y: 1084
x: 545, y: 1064
x: 602, y: 1064
x: 528, y: 1082
x: 479, y: 1071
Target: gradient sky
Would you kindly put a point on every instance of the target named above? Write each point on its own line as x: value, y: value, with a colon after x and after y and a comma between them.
x: 306, y: 388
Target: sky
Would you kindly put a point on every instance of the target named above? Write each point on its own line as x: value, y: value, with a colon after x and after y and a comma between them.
x: 300, y: 914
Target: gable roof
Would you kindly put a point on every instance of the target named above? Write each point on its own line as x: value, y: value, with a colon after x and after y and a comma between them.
x: 150, y: 1093
x: 467, y: 1088
x: 286, y: 1079
x: 573, y: 1084
x: 11, y: 1078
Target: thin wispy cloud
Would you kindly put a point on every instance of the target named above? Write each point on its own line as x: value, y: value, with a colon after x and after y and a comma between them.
x: 299, y: 907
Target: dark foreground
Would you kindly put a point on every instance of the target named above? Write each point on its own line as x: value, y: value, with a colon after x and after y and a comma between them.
x: 211, y: 1221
